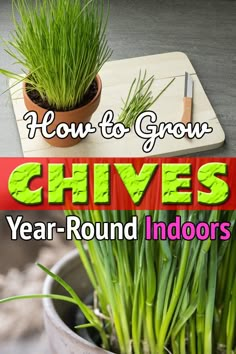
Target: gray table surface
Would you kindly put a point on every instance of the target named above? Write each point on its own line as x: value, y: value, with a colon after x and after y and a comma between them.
x: 205, y: 30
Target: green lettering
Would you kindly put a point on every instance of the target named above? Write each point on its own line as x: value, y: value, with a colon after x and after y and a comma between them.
x: 219, y: 189
x: 136, y: 184
x: 19, y: 180
x: 101, y: 183
x: 171, y: 183
x: 58, y: 183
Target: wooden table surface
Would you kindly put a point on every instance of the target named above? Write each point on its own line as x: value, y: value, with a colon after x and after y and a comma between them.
x: 204, y: 29
x: 117, y: 77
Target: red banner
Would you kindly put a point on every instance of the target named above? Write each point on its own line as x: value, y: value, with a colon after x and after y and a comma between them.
x: 117, y: 183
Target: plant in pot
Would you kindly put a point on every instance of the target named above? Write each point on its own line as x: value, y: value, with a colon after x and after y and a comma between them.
x: 61, y: 46
x: 149, y: 296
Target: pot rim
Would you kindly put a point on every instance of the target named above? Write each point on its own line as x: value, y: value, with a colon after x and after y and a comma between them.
x: 99, y: 85
x: 49, y: 306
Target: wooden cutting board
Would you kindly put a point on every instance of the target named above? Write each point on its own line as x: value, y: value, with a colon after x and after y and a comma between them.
x: 117, y: 77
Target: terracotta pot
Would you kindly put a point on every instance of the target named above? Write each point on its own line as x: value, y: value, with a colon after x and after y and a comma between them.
x: 79, y: 115
x: 57, y: 314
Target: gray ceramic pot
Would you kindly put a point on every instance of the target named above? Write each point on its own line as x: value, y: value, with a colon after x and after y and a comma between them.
x: 58, y: 314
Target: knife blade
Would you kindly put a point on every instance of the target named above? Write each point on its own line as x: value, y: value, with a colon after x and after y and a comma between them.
x: 188, y: 99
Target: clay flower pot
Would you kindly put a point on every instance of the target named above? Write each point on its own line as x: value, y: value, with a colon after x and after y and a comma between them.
x: 79, y: 115
x: 58, y: 314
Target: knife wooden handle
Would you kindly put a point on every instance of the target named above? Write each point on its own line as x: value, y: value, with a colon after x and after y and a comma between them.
x: 187, y: 115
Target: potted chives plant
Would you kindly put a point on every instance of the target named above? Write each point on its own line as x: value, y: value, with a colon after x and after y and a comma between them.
x: 149, y: 297
x: 61, y: 46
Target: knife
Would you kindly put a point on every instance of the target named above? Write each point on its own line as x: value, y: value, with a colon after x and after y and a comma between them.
x: 188, y: 99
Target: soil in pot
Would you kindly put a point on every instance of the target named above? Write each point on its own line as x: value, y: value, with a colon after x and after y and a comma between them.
x: 75, y: 317
x: 37, y: 99
x: 90, y: 333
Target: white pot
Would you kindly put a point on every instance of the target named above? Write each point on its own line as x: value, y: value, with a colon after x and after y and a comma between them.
x: 61, y: 338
